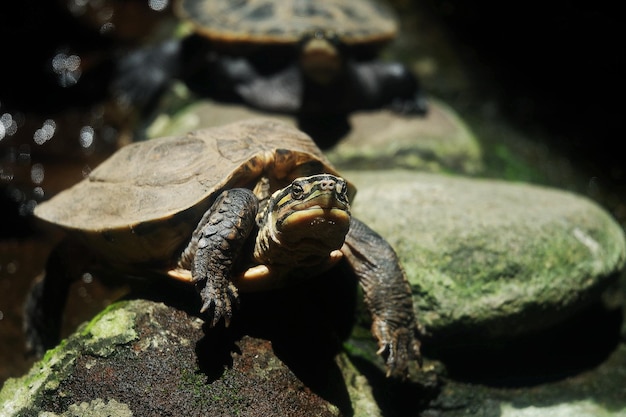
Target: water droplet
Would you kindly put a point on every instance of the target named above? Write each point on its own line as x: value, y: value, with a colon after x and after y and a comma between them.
x: 86, y: 171
x: 37, y: 173
x: 108, y: 27
x: 12, y: 267
x: 16, y: 195
x: 158, y: 5
x: 27, y: 208
x: 86, y: 136
x: 8, y: 126
x: 77, y: 7
x: 67, y: 68
x: 82, y: 292
x: 45, y: 133
x: 38, y: 192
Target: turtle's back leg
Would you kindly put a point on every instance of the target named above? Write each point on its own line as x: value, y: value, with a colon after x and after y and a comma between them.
x: 215, y: 247
x: 43, y: 309
x: 387, y: 295
x: 382, y: 84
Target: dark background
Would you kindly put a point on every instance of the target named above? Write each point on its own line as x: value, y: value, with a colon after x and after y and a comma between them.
x: 554, y: 67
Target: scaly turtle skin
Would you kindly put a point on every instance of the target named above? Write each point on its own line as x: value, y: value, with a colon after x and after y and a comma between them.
x: 249, y: 206
x: 314, y: 59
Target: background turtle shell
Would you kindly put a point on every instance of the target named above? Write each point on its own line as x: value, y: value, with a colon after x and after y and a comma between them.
x: 143, y: 203
x: 356, y: 22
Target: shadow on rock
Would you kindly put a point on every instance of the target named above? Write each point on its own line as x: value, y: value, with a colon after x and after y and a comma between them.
x: 578, y: 344
x: 306, y: 326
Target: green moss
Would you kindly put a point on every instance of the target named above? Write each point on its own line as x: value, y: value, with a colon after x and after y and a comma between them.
x: 507, y: 165
x: 195, y: 383
x: 113, y: 326
x: 19, y: 394
x: 98, y: 408
x: 225, y: 391
x: 94, y: 322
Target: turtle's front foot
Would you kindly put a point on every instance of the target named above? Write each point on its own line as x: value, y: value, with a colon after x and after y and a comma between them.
x: 219, y: 300
x: 215, y: 246
x: 398, y: 346
x: 416, y: 105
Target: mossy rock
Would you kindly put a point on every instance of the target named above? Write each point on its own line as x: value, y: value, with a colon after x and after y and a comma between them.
x: 146, y: 358
x: 490, y: 259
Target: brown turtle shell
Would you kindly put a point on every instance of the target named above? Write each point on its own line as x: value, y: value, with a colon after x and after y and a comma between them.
x: 143, y: 203
x: 355, y: 22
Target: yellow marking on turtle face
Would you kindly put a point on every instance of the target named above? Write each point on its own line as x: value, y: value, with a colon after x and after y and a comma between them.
x: 310, y: 216
x: 311, y: 201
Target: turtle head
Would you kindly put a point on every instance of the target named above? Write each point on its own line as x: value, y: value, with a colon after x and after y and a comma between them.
x: 304, y: 222
x: 321, y: 56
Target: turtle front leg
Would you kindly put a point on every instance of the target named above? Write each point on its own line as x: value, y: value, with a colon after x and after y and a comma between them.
x: 387, y: 295
x: 392, y: 85
x: 216, y: 245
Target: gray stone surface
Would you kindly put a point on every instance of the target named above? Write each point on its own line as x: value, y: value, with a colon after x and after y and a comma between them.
x: 441, y: 141
x: 491, y: 259
x: 583, y: 408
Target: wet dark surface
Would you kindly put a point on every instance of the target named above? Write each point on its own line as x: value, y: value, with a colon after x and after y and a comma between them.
x: 553, y: 71
x: 21, y: 261
x: 58, y: 120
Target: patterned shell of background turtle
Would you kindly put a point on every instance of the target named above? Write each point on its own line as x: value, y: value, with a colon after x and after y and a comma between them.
x: 355, y: 22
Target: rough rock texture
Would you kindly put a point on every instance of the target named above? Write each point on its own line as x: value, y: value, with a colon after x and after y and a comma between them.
x: 489, y: 262
x: 144, y: 358
x: 383, y: 140
x: 491, y: 259
x: 577, y: 408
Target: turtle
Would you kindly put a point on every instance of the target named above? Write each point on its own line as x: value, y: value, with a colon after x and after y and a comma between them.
x: 313, y: 59
x: 249, y: 206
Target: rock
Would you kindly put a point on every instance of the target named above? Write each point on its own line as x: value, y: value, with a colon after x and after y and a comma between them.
x: 190, y: 115
x: 379, y: 139
x: 383, y: 140
x: 491, y: 259
x: 575, y: 408
x: 145, y: 358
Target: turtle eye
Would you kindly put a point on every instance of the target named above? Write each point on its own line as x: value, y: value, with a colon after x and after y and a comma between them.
x: 297, y: 192
x: 342, y: 189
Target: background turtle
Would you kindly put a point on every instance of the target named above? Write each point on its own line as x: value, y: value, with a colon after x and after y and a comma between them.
x: 315, y: 59
x: 247, y: 206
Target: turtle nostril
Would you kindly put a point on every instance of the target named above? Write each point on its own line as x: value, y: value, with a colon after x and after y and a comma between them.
x: 327, y: 184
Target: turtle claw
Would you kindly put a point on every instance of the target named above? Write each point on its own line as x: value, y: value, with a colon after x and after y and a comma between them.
x: 398, y: 346
x: 220, y: 303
